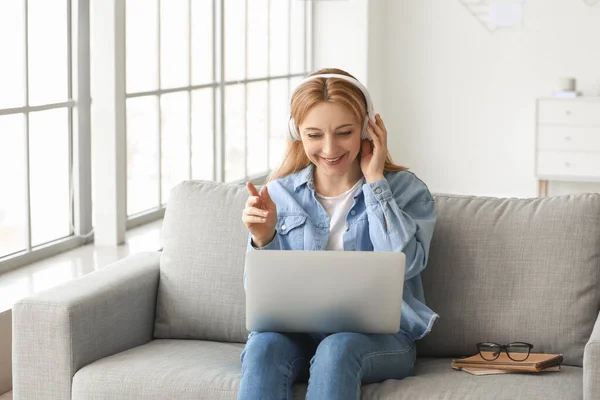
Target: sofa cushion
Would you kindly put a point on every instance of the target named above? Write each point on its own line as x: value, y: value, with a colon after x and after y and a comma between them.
x: 433, y: 378
x: 201, y: 292
x: 167, y: 369
x: 193, y: 369
x: 511, y: 269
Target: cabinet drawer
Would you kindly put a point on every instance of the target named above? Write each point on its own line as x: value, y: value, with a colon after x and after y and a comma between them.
x: 565, y: 138
x: 570, y: 112
x: 568, y: 163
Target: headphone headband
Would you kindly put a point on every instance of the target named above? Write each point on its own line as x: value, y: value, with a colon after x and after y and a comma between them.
x: 293, y: 129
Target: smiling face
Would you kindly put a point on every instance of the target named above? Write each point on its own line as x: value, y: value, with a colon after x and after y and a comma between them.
x: 331, y: 137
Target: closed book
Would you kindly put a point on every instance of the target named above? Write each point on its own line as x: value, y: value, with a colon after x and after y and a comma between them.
x: 534, y: 363
x: 490, y: 371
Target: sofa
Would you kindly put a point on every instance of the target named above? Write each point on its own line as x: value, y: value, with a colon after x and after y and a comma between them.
x: 171, y: 324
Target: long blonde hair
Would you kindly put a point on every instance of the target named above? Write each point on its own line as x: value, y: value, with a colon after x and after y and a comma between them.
x: 335, y: 90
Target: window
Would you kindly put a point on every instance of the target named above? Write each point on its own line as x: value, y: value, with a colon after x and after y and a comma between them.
x: 206, y: 97
x: 36, y: 107
x: 208, y: 85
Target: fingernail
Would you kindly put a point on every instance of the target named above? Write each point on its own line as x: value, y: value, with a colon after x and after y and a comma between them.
x: 265, y: 213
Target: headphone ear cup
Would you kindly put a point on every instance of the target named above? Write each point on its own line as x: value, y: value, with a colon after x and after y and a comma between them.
x: 364, y: 134
x: 293, y: 132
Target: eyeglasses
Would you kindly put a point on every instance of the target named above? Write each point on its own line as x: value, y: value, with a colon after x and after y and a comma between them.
x: 517, y: 351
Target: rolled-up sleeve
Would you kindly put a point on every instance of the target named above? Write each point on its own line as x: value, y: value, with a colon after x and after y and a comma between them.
x: 401, y: 218
x: 272, y: 245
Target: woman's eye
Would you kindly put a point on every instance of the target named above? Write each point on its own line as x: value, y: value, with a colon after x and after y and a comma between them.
x: 345, y: 133
x: 313, y: 136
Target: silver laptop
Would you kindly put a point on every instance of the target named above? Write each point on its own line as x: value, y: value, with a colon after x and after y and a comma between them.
x: 324, y: 291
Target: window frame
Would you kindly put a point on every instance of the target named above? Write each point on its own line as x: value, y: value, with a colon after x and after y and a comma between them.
x: 79, y: 102
x: 78, y: 106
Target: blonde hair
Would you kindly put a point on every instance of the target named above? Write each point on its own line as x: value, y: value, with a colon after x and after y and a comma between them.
x: 334, y: 90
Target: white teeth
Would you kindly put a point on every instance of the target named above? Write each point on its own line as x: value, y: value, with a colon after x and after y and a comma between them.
x: 333, y: 159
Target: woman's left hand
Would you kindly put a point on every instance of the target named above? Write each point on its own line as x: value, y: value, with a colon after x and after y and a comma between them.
x: 373, y: 160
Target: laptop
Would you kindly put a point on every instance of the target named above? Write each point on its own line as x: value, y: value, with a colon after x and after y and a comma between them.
x: 324, y: 291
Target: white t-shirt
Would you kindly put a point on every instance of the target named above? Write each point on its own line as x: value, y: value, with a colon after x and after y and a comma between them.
x: 337, y: 208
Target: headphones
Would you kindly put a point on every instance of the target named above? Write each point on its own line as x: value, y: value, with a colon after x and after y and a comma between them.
x: 294, y: 135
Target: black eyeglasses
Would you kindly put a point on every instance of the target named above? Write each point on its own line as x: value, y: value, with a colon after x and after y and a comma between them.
x: 516, y: 351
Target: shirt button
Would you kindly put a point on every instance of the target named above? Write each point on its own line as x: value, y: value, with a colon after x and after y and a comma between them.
x: 347, y: 228
x: 378, y: 190
x: 353, y: 212
x: 283, y: 227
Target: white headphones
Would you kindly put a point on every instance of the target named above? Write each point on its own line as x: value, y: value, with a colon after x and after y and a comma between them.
x: 293, y: 129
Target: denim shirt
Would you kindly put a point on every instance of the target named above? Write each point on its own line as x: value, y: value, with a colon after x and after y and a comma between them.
x: 393, y: 214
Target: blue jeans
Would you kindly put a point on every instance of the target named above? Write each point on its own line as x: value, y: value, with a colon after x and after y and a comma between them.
x: 334, y: 365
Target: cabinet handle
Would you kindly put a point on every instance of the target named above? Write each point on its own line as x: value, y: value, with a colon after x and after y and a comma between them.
x: 568, y: 138
x: 568, y: 112
x: 567, y: 164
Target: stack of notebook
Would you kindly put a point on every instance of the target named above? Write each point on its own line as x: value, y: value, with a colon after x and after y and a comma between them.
x: 536, y: 362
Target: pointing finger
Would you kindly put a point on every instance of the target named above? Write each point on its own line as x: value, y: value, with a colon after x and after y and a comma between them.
x: 266, y: 196
x: 252, y: 189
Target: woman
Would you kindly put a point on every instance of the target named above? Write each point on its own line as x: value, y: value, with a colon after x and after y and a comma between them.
x: 337, y: 190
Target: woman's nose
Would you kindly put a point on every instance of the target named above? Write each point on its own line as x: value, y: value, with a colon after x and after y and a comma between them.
x: 329, y: 145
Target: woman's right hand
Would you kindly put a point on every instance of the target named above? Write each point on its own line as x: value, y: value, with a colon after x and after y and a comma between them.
x: 260, y: 215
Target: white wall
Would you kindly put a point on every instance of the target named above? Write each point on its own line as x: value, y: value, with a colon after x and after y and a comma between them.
x: 462, y: 100
x: 458, y: 101
x: 350, y: 34
x: 340, y: 36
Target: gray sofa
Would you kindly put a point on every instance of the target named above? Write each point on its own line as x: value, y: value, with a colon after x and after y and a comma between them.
x: 171, y: 325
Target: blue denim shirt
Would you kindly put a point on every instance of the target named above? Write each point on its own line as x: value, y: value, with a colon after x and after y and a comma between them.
x: 393, y: 214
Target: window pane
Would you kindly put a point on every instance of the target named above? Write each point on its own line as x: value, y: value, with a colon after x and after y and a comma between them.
x: 279, y: 35
x: 48, y: 56
x: 297, y: 32
x: 174, y: 45
x: 258, y: 57
x: 49, y: 175
x: 202, y: 134
x: 235, y: 159
x: 175, y: 121
x: 257, y: 128
x: 202, y: 41
x: 235, y: 37
x: 13, y: 230
x: 12, y: 49
x: 142, y: 45
x: 294, y: 83
x: 142, y: 154
x: 279, y: 120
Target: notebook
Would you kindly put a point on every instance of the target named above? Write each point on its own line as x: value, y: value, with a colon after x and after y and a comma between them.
x: 489, y: 371
x: 535, y: 362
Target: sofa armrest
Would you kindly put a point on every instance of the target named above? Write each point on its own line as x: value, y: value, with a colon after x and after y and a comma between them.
x: 60, y: 330
x: 591, y: 364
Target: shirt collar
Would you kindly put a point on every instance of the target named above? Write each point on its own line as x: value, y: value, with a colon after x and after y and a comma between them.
x: 305, y: 176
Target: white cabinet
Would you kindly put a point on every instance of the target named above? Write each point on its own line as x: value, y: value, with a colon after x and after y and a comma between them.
x: 567, y: 145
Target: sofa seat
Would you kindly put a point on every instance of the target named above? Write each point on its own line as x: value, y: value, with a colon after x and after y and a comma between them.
x: 195, y: 369
x: 164, y: 369
x: 433, y: 379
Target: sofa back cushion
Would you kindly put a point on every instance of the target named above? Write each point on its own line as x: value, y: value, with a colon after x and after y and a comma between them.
x: 507, y: 270
x: 200, y: 292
